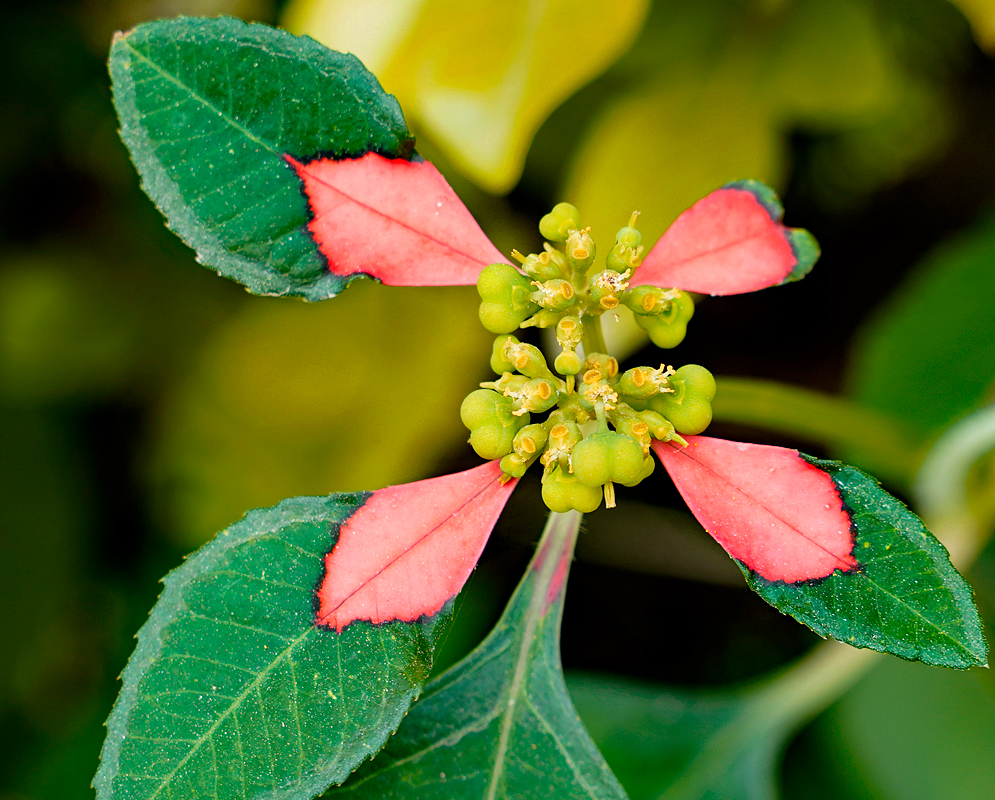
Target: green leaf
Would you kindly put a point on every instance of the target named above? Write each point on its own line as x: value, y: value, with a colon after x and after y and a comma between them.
x: 904, y: 598
x: 918, y: 732
x: 478, y: 78
x: 208, y: 109
x: 233, y: 691
x: 918, y: 356
x: 500, y: 723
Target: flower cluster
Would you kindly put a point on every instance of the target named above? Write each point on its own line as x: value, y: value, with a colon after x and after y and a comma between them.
x: 601, y: 423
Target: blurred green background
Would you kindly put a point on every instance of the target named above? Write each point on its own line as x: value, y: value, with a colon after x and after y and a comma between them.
x: 146, y: 403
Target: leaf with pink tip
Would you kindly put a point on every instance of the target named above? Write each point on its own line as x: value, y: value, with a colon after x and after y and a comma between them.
x: 730, y: 242
x: 285, y: 652
x: 823, y: 542
x: 409, y: 549
x: 393, y: 219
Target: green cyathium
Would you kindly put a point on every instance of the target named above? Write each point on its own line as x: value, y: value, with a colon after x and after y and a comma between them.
x: 601, y: 424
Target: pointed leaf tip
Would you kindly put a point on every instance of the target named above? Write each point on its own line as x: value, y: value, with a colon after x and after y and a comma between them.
x: 410, y: 548
x: 730, y: 242
x: 822, y: 542
x: 395, y: 220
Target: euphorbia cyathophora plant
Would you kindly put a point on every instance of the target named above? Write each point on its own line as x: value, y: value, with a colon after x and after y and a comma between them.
x: 285, y: 653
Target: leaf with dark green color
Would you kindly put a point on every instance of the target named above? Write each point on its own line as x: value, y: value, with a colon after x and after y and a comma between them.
x: 500, y: 723
x: 906, y: 598
x: 209, y: 108
x: 823, y: 542
x: 234, y: 691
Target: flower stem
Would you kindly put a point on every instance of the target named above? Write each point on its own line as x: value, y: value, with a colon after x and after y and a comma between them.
x: 594, y: 337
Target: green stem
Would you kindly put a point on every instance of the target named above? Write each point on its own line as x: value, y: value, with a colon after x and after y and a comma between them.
x: 594, y: 337
x: 884, y: 446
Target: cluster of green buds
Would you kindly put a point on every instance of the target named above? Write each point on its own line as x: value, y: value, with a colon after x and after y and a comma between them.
x: 600, y: 423
x: 562, y: 283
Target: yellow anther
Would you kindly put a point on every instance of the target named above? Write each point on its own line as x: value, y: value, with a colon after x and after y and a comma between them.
x: 608, y: 303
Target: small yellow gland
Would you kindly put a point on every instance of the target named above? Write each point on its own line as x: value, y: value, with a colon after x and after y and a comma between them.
x: 608, y: 303
x: 640, y: 428
x: 612, y: 367
x: 592, y: 376
x: 649, y: 302
x: 639, y: 377
x: 545, y: 391
x: 559, y: 431
x: 529, y: 445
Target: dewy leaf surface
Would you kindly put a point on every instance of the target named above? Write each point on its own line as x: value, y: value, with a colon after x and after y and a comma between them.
x: 233, y: 691
x: 895, y: 591
x: 210, y: 107
x: 500, y: 723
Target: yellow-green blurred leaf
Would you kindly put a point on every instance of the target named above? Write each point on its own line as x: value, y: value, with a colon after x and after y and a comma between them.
x: 981, y: 15
x: 659, y: 149
x: 829, y: 63
x: 292, y: 399
x: 478, y: 77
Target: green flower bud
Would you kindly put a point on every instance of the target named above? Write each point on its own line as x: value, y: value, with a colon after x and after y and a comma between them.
x: 505, y: 298
x: 530, y: 440
x: 557, y: 224
x: 659, y: 426
x: 668, y: 328
x: 569, y: 332
x: 689, y: 406
x: 563, y: 437
x: 527, y: 359
x: 499, y: 361
x: 643, y: 382
x: 543, y: 266
x: 605, y: 457
x: 538, y: 394
x: 649, y: 300
x: 554, y: 295
x: 567, y: 363
x: 488, y: 415
x: 649, y: 464
x: 605, y: 288
x: 627, y: 252
x: 515, y: 465
x: 562, y: 492
x: 580, y: 250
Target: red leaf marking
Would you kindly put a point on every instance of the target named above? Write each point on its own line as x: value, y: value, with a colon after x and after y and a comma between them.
x: 768, y: 507
x: 726, y: 243
x: 410, y: 548
x: 395, y: 220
